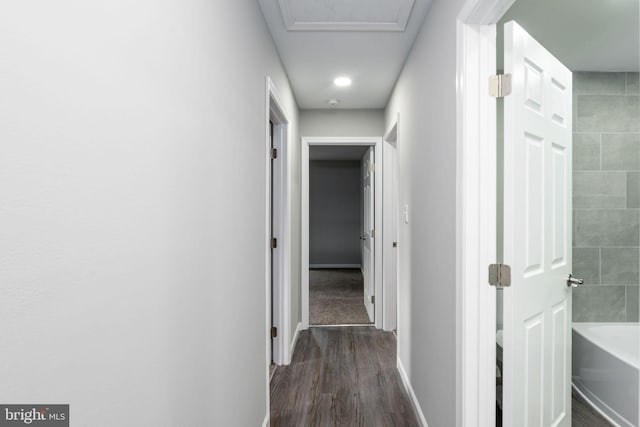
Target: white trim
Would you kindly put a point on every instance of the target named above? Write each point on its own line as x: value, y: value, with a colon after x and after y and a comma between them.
x: 390, y: 228
x: 307, y: 141
x: 265, y: 423
x: 412, y: 394
x: 483, y: 12
x: 295, y: 338
x: 267, y: 252
x: 282, y: 258
x: 281, y: 226
x: 476, y: 214
x: 335, y: 266
x: 344, y: 325
x: 304, y: 237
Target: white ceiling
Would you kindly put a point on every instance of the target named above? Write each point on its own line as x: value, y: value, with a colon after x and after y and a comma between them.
x: 586, y: 35
x: 335, y: 152
x: 369, y: 40
x: 330, y: 38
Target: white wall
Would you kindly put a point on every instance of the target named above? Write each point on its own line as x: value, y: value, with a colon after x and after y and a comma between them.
x: 425, y: 97
x: 132, y: 217
x: 341, y: 122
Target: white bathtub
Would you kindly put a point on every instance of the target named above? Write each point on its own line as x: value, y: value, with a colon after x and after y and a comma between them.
x: 605, y: 369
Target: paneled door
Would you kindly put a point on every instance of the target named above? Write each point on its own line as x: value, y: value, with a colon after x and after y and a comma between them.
x: 537, y: 235
x: 368, y: 233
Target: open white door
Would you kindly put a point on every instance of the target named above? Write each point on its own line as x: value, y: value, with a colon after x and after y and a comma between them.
x: 368, y: 233
x: 537, y: 235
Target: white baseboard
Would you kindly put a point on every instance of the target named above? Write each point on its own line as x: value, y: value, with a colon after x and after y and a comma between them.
x: 265, y: 423
x: 334, y: 266
x: 294, y: 340
x: 412, y: 395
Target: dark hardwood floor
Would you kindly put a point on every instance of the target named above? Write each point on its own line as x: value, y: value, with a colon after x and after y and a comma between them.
x: 341, y: 377
x: 583, y: 415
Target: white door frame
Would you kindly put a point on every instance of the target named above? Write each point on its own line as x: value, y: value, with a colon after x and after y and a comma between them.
x: 308, y: 141
x: 281, y: 230
x: 476, y: 213
x: 390, y: 227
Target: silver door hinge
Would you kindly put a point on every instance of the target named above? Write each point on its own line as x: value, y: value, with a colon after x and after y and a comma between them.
x: 274, y: 332
x: 500, y: 275
x: 373, y: 299
x: 500, y: 85
x: 274, y: 153
x: 274, y: 243
x: 373, y: 232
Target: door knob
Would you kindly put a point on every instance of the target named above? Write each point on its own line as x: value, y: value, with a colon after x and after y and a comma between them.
x: 573, y: 282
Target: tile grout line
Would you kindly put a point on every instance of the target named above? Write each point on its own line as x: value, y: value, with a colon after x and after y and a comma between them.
x: 600, y: 265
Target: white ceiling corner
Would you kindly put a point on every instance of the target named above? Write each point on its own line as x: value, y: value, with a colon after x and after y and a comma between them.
x: 346, y: 15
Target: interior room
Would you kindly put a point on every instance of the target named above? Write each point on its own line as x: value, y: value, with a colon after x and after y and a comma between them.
x: 601, y: 50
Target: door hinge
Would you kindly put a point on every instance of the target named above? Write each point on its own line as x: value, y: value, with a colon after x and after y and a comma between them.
x: 500, y: 85
x: 274, y: 243
x: 274, y: 153
x: 373, y: 232
x: 395, y: 244
x: 500, y: 275
x: 373, y: 299
x: 274, y: 332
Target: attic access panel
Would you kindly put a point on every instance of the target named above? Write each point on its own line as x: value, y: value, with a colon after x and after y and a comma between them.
x: 346, y: 15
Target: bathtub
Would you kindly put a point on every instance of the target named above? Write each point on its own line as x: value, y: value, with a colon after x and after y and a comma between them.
x: 605, y: 369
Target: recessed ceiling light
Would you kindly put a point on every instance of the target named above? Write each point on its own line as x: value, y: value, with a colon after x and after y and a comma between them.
x: 333, y: 102
x: 342, y: 81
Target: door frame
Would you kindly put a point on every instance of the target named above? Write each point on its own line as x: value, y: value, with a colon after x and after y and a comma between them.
x: 281, y: 261
x: 390, y: 219
x: 307, y: 142
x: 477, y: 211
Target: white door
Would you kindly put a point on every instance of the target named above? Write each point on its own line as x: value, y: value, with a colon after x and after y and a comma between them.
x: 368, y: 233
x: 537, y: 235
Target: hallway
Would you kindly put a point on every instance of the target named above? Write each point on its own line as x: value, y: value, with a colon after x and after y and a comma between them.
x: 341, y: 377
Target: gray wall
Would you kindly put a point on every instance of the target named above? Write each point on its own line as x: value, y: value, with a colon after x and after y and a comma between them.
x: 606, y: 196
x: 341, y: 122
x: 425, y: 97
x: 334, y: 212
x: 132, y: 172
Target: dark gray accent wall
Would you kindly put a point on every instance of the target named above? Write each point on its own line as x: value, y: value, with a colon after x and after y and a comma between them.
x: 606, y: 194
x: 334, y: 212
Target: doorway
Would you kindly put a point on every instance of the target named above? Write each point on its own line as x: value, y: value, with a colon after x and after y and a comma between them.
x: 596, y: 193
x: 277, y: 232
x: 353, y: 255
x: 338, y: 226
x: 588, y: 217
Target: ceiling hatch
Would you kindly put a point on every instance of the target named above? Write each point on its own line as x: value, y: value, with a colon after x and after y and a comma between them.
x: 346, y: 15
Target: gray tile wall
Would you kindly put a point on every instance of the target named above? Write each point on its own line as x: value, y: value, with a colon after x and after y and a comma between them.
x: 606, y: 196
